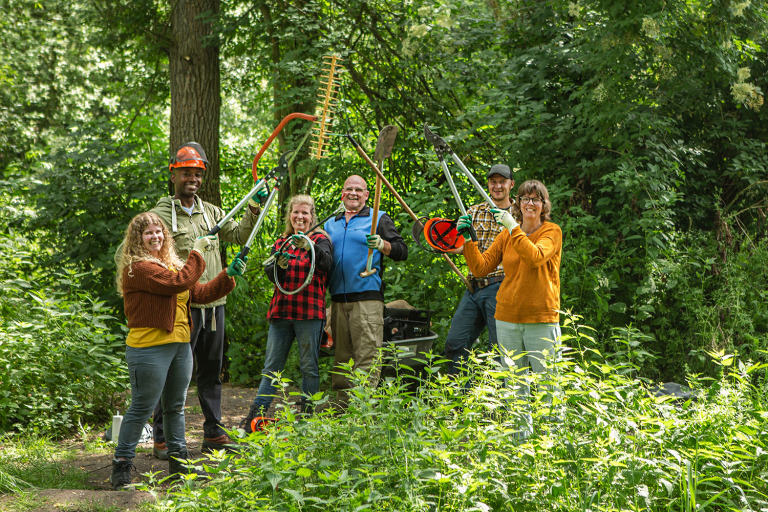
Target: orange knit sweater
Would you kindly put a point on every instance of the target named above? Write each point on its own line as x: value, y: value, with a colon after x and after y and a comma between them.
x: 530, y: 292
x: 149, y: 296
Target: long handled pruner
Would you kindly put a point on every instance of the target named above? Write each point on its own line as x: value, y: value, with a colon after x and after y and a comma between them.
x: 384, y: 145
x: 441, y: 148
x: 282, y: 167
x: 405, y: 206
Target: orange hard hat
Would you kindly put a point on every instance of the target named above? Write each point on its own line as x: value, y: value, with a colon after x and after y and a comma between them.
x: 441, y: 234
x: 190, y: 154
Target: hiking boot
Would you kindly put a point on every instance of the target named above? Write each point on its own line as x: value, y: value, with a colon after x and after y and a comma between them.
x: 254, y: 412
x: 223, y: 442
x: 177, y: 467
x: 160, y: 451
x: 121, y: 473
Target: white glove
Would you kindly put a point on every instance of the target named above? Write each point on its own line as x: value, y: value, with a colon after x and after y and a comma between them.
x: 299, y: 241
x: 504, y: 218
x: 204, y: 243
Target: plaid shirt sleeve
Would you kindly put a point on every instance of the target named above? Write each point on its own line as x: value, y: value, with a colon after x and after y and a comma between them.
x: 309, y: 303
x: 487, y: 230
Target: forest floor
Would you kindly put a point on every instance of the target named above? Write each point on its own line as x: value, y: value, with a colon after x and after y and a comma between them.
x: 95, y: 458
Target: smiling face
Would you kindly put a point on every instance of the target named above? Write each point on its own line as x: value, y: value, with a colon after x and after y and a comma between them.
x: 531, y: 205
x: 499, y: 187
x: 301, y: 217
x: 152, y: 239
x: 355, y: 193
x: 187, y: 181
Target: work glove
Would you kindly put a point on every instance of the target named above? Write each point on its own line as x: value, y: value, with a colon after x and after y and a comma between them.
x: 374, y: 242
x: 204, y: 243
x: 504, y: 218
x: 261, y: 196
x: 463, y: 226
x: 300, y: 242
x: 282, y: 261
x: 237, y: 267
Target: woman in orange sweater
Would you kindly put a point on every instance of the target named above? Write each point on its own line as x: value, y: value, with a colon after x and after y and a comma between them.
x: 157, y: 288
x: 528, y: 299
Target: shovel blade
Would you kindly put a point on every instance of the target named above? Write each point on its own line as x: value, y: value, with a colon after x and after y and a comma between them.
x: 385, y: 143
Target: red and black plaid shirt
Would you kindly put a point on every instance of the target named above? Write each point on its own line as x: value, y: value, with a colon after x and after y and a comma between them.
x: 309, y: 303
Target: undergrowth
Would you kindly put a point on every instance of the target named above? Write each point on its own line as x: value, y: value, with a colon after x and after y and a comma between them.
x: 599, y: 440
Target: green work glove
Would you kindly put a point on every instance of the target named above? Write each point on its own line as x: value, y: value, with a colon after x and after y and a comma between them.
x: 463, y: 226
x: 299, y: 241
x: 204, y: 243
x: 282, y: 261
x: 374, y: 242
x: 261, y: 196
x: 237, y: 267
x: 504, y: 218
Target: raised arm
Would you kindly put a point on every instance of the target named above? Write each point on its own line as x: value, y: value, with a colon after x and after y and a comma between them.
x: 546, y: 247
x: 482, y: 264
x: 154, y: 278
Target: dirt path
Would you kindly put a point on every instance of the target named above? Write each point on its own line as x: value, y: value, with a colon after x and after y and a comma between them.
x: 235, y: 403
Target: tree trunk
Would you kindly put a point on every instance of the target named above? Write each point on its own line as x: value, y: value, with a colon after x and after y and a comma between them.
x: 195, y: 86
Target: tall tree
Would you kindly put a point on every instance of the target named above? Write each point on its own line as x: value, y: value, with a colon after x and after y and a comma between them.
x: 195, y: 85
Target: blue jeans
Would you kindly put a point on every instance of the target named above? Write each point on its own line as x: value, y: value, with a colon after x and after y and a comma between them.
x: 279, y: 341
x: 160, y: 371
x: 475, y: 313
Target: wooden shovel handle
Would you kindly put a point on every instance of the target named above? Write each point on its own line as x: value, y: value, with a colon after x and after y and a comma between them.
x: 400, y: 200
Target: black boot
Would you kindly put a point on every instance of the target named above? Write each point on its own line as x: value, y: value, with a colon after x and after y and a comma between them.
x: 121, y: 473
x: 254, y: 412
x: 307, y: 408
x: 177, y: 465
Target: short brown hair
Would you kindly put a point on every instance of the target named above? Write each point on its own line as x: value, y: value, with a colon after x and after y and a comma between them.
x: 535, y: 187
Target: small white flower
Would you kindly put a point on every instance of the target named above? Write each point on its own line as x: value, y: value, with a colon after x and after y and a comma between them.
x: 419, y: 30
x: 600, y: 93
x: 573, y: 9
x: 650, y: 27
x: 743, y: 74
x: 738, y: 9
x: 727, y: 45
x: 425, y: 11
x: 742, y: 91
x: 444, y: 20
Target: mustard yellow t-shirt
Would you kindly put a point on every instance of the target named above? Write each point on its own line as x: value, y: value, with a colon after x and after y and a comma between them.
x: 152, y: 336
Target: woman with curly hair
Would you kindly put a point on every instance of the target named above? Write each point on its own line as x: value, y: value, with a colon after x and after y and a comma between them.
x: 528, y: 301
x: 300, y: 316
x: 157, y: 288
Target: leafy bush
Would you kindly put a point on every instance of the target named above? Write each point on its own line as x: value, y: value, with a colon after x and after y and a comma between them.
x: 61, y: 362
x: 600, y: 440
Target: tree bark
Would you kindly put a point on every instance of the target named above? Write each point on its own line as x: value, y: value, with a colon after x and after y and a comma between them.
x: 195, y: 86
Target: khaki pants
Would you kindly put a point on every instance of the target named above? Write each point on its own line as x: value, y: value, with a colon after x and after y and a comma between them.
x: 358, y: 333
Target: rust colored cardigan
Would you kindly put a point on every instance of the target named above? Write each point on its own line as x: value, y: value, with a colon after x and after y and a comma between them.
x: 530, y: 292
x: 149, y: 296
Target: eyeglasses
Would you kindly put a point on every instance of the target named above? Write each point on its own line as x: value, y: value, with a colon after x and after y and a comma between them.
x: 356, y: 190
x: 526, y: 200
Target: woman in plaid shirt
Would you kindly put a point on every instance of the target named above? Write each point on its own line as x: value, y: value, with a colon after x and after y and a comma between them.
x: 300, y: 316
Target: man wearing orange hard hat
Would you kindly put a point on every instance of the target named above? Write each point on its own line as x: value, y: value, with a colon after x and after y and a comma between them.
x: 189, y: 217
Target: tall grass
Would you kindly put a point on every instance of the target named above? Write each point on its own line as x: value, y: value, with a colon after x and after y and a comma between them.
x: 600, y: 441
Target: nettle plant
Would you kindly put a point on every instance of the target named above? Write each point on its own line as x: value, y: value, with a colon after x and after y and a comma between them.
x: 598, y: 440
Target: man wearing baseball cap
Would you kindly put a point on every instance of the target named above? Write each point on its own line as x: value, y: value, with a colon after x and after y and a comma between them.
x: 476, y: 310
x: 187, y: 218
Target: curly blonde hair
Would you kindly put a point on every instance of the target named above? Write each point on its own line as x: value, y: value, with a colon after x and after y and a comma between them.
x: 532, y: 187
x: 134, y: 251
x: 301, y: 199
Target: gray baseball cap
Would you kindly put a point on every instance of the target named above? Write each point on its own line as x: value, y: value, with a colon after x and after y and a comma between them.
x: 501, y: 170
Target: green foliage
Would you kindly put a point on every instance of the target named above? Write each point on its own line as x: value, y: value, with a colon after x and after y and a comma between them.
x: 61, y: 362
x: 29, y: 462
x: 600, y: 440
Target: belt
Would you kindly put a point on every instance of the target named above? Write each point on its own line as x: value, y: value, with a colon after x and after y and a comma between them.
x: 482, y: 283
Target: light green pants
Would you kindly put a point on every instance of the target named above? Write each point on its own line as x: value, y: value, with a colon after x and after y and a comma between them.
x: 538, y: 340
